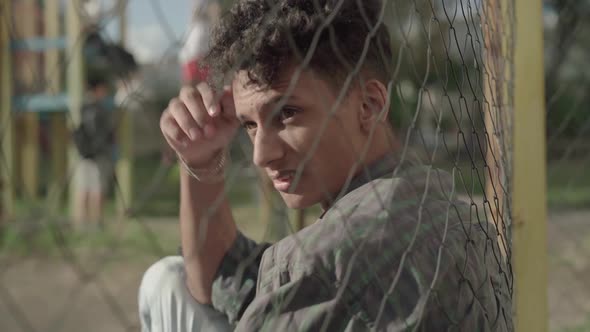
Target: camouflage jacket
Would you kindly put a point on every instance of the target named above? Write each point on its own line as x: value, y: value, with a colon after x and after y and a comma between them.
x: 397, y: 252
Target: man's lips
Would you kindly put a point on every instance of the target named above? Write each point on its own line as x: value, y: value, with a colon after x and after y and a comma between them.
x: 282, y: 180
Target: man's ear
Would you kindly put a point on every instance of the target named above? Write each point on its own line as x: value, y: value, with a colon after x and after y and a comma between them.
x: 375, y: 104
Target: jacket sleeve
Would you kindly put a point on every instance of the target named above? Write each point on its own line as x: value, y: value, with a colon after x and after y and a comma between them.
x: 304, y: 304
x: 234, y: 286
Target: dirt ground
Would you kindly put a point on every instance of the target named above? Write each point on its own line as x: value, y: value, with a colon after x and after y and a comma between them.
x: 569, y: 271
x: 98, y: 291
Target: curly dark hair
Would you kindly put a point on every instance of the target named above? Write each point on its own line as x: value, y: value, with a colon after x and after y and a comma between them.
x: 263, y: 36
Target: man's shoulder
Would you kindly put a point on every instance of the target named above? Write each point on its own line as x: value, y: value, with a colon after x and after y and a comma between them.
x: 408, y: 229
x: 418, y: 197
x: 386, y: 215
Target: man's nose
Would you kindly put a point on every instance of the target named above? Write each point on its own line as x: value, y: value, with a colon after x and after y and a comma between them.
x: 267, y: 148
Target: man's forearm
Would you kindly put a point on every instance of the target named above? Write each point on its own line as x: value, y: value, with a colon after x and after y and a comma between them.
x: 207, y: 231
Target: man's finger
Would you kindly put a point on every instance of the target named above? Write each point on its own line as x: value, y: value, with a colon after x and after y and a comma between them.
x: 172, y: 131
x: 193, y: 101
x: 227, y: 102
x: 184, y: 119
x: 210, y: 101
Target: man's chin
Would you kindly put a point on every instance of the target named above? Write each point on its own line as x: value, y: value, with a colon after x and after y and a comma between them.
x: 298, y: 201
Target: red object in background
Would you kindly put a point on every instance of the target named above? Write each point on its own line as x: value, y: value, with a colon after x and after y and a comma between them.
x: 193, y: 72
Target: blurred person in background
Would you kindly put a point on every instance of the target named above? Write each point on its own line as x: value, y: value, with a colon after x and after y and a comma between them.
x: 394, y: 249
x: 94, y: 139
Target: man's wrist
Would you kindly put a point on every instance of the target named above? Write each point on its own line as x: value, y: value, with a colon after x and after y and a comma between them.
x: 213, y: 171
x: 204, y: 162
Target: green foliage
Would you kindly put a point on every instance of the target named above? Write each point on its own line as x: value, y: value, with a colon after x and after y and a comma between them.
x: 584, y: 327
x: 401, y: 112
x: 54, y: 240
x: 568, y: 116
x: 568, y: 184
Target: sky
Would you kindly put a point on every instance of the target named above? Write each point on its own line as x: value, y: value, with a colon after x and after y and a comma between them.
x: 153, y: 26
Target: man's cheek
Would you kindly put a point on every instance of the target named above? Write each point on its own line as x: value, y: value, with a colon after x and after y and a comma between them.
x: 302, y: 139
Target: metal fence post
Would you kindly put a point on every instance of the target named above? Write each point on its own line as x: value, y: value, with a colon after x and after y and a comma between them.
x: 6, y: 121
x: 58, y: 128
x: 75, y: 84
x: 529, y: 171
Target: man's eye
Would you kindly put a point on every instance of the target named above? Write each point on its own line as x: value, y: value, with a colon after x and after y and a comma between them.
x: 287, y: 113
x: 249, y: 125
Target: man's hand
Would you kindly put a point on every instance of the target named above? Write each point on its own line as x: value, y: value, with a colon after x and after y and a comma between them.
x: 198, y: 123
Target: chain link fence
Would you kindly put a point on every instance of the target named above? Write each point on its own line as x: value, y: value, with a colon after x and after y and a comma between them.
x: 69, y: 263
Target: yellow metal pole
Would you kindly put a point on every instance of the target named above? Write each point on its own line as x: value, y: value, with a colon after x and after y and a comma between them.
x: 265, y: 201
x: 124, y: 167
x: 125, y: 131
x: 299, y: 216
x: 28, y: 72
x: 58, y: 128
x: 123, y: 22
x: 6, y: 121
x: 529, y: 171
x: 271, y: 215
x: 75, y: 85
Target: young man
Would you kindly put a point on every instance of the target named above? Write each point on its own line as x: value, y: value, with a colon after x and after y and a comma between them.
x: 393, y: 249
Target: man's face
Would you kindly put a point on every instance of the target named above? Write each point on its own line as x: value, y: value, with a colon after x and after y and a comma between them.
x: 298, y: 135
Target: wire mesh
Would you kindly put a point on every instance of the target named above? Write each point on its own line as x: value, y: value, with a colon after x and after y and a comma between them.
x: 450, y: 93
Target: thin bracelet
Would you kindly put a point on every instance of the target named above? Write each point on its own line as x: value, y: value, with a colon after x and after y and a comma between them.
x: 213, y: 174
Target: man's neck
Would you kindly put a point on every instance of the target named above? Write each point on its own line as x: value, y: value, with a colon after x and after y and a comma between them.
x: 362, y: 173
x: 383, y: 144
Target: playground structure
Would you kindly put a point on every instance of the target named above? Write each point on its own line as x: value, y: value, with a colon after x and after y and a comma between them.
x: 35, y: 54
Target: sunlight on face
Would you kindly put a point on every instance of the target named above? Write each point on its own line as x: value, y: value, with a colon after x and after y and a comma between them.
x: 306, y: 152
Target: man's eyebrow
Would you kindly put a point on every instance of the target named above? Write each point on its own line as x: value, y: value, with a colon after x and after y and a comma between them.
x: 277, y: 99
x: 269, y: 105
